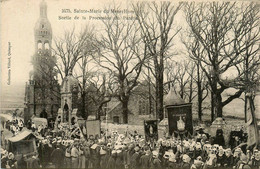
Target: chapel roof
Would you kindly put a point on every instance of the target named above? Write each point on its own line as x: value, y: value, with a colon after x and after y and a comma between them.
x: 173, y: 99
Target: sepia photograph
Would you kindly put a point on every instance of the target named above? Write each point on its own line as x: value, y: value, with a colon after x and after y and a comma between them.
x: 130, y: 84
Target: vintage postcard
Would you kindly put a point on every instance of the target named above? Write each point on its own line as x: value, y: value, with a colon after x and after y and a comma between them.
x: 130, y: 84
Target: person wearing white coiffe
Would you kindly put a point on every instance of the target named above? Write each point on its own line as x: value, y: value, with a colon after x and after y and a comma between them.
x: 20, y: 124
x: 255, y: 160
x: 186, y: 162
x: 33, y: 127
x: 243, y: 163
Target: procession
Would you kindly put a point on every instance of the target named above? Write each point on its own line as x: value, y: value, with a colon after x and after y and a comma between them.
x: 130, y: 85
x: 131, y: 150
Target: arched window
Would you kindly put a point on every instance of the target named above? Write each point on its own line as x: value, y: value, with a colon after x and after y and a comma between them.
x: 46, y: 45
x: 39, y: 44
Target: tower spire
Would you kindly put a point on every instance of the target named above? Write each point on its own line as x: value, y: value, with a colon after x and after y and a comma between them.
x: 42, y: 30
x: 43, y: 9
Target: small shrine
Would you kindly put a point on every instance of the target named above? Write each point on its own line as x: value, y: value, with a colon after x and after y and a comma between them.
x: 220, y: 124
x: 69, y: 97
x: 179, y: 115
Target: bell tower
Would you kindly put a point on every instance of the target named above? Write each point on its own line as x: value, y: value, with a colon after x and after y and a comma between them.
x: 43, y: 31
x: 42, y: 92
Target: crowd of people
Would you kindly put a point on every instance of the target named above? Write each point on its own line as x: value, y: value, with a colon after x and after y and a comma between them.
x: 133, y: 151
x: 15, y: 125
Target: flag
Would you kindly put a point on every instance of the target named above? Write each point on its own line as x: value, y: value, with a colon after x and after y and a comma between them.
x: 151, y: 130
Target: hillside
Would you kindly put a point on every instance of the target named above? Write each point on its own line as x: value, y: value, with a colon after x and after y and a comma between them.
x: 12, y: 96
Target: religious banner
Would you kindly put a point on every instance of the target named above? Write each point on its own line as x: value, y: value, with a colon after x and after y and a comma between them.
x: 93, y: 128
x: 151, y: 130
x: 180, y: 119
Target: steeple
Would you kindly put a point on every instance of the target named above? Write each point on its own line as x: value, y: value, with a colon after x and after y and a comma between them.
x: 43, y: 9
x: 43, y: 31
x: 43, y: 75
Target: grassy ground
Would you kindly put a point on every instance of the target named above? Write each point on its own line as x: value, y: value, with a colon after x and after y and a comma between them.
x: 122, y: 128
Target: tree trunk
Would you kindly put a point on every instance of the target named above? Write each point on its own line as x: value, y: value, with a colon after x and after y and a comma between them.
x: 98, y: 114
x: 200, y: 110
x: 212, y: 107
x: 245, y: 108
x: 160, y: 96
x: 218, y: 104
x: 125, y: 110
x: 156, y: 99
x: 83, y: 105
x: 199, y: 101
x: 199, y: 93
x: 191, y: 90
x: 214, y: 96
x: 219, y: 110
x: 99, y: 110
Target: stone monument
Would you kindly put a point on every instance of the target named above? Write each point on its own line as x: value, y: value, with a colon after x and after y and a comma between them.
x: 219, y: 123
x: 69, y: 99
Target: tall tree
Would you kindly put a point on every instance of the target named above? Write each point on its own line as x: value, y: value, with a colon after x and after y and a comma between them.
x: 195, y: 51
x: 102, y: 92
x: 84, y: 65
x: 156, y: 25
x: 148, y: 75
x: 68, y: 50
x: 180, y: 76
x: 122, y: 54
x: 222, y: 29
x: 251, y: 60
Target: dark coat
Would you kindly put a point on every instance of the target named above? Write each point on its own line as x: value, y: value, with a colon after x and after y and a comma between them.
x: 185, y: 166
x: 134, y: 162
x: 33, y: 163
x: 255, y: 163
x: 156, y: 163
x: 111, y: 164
x: 119, y: 161
x: 4, y: 162
x: 58, y: 156
x: 229, y: 161
x: 21, y: 163
x: 221, y: 160
x: 11, y: 163
x: 145, y: 161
